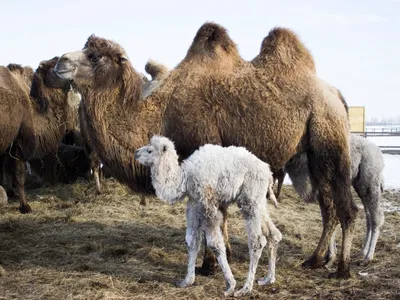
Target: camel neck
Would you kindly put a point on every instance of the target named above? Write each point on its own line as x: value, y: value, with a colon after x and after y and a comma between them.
x: 168, y: 180
x: 50, y: 127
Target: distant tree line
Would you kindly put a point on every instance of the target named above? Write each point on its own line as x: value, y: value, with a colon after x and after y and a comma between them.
x: 383, y: 121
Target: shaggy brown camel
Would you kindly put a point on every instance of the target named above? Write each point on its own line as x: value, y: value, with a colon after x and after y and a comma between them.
x: 275, y: 107
x: 158, y: 73
x: 17, y: 137
x: 48, y: 106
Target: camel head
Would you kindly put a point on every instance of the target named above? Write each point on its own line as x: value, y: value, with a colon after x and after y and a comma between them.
x: 47, y: 88
x: 101, y: 66
x: 160, y: 147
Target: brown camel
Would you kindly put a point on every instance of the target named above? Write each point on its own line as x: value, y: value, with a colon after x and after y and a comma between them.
x: 17, y: 137
x: 274, y: 106
x: 158, y: 73
x: 48, y: 107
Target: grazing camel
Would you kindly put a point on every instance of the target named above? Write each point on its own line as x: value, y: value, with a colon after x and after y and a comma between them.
x: 214, y: 96
x: 64, y: 166
x: 47, y: 107
x: 212, y: 177
x: 367, y: 179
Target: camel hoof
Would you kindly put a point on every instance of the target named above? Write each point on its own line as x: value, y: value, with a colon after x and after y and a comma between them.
x: 364, y: 262
x: 25, y: 209
x: 184, y: 283
x: 313, y: 263
x: 230, y: 289
x: 242, y: 292
x: 203, y: 271
x: 340, y: 274
x: 266, y: 280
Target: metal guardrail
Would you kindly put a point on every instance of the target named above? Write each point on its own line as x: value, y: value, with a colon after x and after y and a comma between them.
x: 378, y: 133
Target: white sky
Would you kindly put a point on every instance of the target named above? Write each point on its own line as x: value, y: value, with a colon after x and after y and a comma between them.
x: 356, y: 44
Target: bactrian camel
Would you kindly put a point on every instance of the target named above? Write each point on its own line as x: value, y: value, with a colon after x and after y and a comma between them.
x: 215, y: 96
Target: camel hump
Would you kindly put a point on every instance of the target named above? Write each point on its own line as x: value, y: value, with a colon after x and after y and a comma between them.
x: 284, y: 45
x: 209, y: 38
x: 16, y: 68
x: 157, y: 70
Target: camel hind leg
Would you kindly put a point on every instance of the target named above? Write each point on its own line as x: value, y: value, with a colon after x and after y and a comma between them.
x: 329, y: 222
x: 274, y: 236
x: 370, y: 194
x: 17, y: 167
x: 252, y: 202
x: 329, y: 159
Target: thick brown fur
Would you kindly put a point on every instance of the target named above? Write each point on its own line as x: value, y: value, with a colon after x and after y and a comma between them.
x: 275, y: 106
x: 48, y: 110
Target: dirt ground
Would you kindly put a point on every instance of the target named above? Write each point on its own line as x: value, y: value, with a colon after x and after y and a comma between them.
x: 76, y: 245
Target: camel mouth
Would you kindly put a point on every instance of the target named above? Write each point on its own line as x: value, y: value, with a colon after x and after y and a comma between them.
x: 64, y: 73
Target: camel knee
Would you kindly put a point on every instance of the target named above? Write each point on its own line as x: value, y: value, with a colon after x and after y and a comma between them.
x: 216, y: 246
x: 258, y: 242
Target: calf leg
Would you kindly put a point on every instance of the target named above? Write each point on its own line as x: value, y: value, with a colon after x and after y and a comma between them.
x: 193, y: 236
x: 210, y: 264
x: 215, y: 241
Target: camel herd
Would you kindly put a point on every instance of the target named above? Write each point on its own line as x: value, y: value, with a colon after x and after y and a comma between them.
x: 94, y: 105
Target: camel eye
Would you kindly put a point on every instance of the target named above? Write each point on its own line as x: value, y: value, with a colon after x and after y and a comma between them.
x: 94, y: 58
x: 149, y: 151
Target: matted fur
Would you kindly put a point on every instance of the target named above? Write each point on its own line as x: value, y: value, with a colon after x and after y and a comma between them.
x: 273, y: 107
x: 214, y: 177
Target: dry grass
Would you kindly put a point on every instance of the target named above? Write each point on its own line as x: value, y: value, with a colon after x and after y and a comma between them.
x: 77, y: 246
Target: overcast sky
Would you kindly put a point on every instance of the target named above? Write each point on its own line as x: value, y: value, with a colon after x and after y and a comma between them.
x: 356, y: 44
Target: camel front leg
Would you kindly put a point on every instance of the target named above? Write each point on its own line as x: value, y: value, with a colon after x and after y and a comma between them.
x: 215, y: 241
x: 193, y: 236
